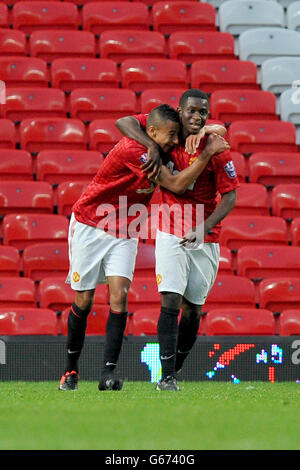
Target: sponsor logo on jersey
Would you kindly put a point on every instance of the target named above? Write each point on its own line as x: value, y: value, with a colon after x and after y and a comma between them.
x: 230, y: 169
x: 76, y: 277
x: 158, y: 279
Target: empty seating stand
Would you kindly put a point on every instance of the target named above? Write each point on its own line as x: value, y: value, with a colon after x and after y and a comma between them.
x: 67, y: 194
x: 27, y: 321
x: 239, y: 321
x: 278, y: 294
x: 230, y: 291
x: 15, y: 164
x: 24, y: 71
x: 26, y: 196
x: 272, y: 168
x: 286, y: 200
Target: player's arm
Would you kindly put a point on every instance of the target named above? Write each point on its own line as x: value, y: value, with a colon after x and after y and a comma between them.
x: 193, y: 141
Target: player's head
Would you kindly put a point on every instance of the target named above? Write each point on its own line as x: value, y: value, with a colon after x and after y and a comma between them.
x: 193, y: 111
x: 163, y: 126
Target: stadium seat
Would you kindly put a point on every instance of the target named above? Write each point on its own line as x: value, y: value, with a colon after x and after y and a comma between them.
x: 21, y: 230
x: 12, y: 42
x: 225, y: 261
x: 292, y: 16
x: 239, y: 321
x: 4, y: 22
x: 241, y: 230
x: 42, y: 260
x: 295, y: 231
x: 25, y: 103
x: 29, y: 16
x: 15, y: 165
x: 119, y: 45
x: 154, y: 97
x: 25, y: 196
x: 252, y: 199
x: 69, y: 73
x: 210, y: 75
x: 277, y: 294
x: 143, y: 293
x: 103, y: 135
x: 8, y: 136
x: 278, y: 74
x: 117, y: 15
x: 262, y: 136
x: 145, y: 261
x: 169, y: 17
x: 289, y: 108
x: 24, y: 72
x: 231, y: 292
x: 272, y: 168
x: 260, y: 44
x: 10, y: 261
x: 250, y: 14
x: 238, y: 105
x: 50, y: 45
x: 67, y: 194
x: 90, y: 103
x: 54, y: 293
x: 289, y: 322
x: 27, y: 321
x: 286, y: 200
x: 52, y: 133
x: 265, y: 261
x: 190, y: 46
x: 17, y: 292
x: 57, y: 166
x: 240, y: 164
x: 144, y: 322
x: 140, y: 74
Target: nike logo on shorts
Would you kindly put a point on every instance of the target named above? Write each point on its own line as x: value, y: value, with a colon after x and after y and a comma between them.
x: 165, y: 358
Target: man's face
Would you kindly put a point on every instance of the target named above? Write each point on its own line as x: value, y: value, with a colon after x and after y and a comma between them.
x: 165, y: 134
x: 193, y: 115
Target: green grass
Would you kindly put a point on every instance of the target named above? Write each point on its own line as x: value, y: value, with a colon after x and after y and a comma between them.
x: 202, y: 416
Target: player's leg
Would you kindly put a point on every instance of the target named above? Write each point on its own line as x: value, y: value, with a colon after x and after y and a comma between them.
x: 187, y: 331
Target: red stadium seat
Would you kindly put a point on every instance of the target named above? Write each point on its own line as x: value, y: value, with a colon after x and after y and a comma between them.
x: 295, y: 231
x: 238, y: 105
x: 17, y: 292
x: 27, y: 321
x: 225, y: 262
x: 262, y: 262
x: 57, y: 166
x: 52, y: 133
x: 271, y: 168
x: 211, y: 75
x: 190, y: 46
x: 277, y: 294
x: 42, y: 260
x: 4, y: 22
x: 143, y: 293
x: 251, y: 199
x: 140, y: 74
x: 9, y: 261
x: 8, y: 135
x: 67, y: 194
x: 183, y: 16
x: 30, y: 16
x: 69, y: 73
x: 286, y: 200
x: 289, y: 323
x: 24, y: 103
x: 240, y: 321
x: 12, y: 42
x: 103, y: 135
x: 154, y: 97
x: 99, y: 17
x: 240, y: 166
x: 230, y: 291
x: 24, y: 71
x: 15, y: 165
x: 90, y: 103
x: 238, y: 231
x: 120, y: 45
x: 50, y: 45
x: 21, y: 230
x: 144, y: 322
x: 262, y: 136
x: 145, y: 261
x: 55, y: 294
x: 25, y: 196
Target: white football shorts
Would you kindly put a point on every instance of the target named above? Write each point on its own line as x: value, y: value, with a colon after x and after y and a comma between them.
x: 188, y: 272
x: 94, y: 255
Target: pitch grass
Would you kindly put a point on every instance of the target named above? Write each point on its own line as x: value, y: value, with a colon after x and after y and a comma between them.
x: 202, y: 416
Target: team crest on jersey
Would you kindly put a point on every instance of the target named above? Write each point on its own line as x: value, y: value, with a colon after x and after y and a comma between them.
x: 230, y: 169
x: 158, y: 279
x: 76, y: 277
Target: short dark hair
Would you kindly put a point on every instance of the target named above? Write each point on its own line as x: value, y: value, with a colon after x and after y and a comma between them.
x: 193, y: 93
x: 163, y: 112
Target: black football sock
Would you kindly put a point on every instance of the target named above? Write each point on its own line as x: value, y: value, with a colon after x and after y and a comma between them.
x: 77, y: 323
x: 167, y: 332
x: 187, y: 336
x: 115, y: 328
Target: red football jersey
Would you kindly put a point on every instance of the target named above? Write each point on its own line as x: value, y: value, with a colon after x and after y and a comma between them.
x: 218, y: 177
x: 114, y: 198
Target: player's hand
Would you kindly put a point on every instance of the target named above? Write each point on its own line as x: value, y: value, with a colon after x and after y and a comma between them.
x: 195, y: 236
x: 153, y: 163
x: 216, y: 144
x: 193, y: 141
